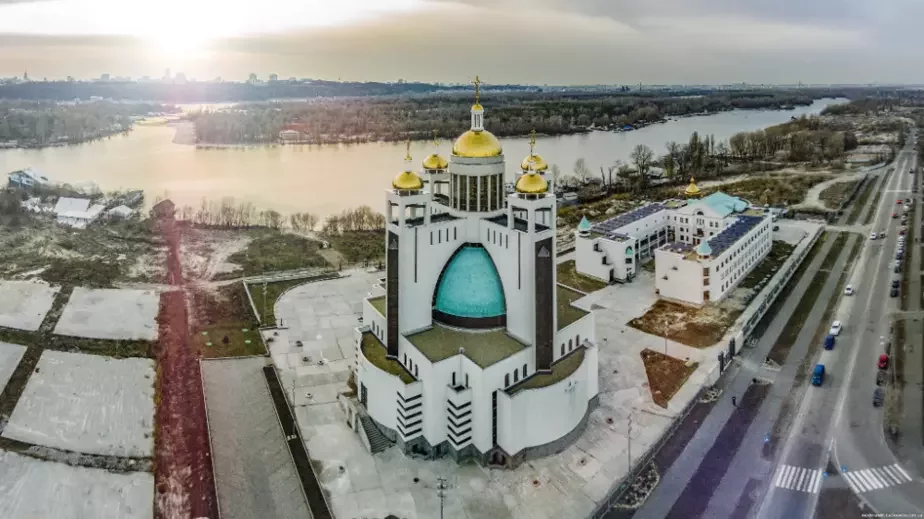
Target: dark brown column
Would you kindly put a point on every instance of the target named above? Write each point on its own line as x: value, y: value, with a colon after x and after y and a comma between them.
x: 391, y: 295
x: 545, y: 307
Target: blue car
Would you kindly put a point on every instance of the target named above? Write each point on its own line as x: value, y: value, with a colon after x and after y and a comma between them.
x: 829, y: 342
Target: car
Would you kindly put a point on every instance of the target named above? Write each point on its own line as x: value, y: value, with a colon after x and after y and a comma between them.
x: 894, y: 215
x: 818, y: 375
x: 776, y: 227
x: 849, y: 290
x: 895, y: 283
x: 898, y: 255
x: 835, y: 328
x: 898, y: 268
x: 899, y: 201
x: 829, y: 342
x: 901, y: 231
x: 880, y: 377
x: 873, y: 236
x: 893, y: 293
x: 883, y: 361
x: 878, y: 397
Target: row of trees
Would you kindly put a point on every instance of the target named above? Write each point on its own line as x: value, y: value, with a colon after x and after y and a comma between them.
x: 42, y: 123
x: 333, y: 120
x: 363, y: 218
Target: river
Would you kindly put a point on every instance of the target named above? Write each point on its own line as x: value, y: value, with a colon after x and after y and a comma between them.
x: 327, y: 179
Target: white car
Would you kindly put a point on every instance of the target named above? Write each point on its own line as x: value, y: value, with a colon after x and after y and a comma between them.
x: 872, y: 236
x: 835, y: 328
x: 848, y: 291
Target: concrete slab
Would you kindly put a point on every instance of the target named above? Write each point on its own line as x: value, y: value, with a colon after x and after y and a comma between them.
x: 10, y: 355
x: 254, y: 472
x: 88, y: 404
x: 110, y: 314
x: 23, y: 304
x: 31, y: 488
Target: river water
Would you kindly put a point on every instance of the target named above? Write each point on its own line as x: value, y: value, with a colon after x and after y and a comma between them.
x: 327, y: 179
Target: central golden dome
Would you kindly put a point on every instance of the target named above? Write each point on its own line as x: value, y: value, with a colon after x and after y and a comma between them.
x: 532, y: 183
x: 539, y: 163
x: 477, y: 144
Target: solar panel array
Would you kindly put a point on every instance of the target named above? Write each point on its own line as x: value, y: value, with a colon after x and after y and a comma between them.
x: 611, y: 225
x: 725, y: 239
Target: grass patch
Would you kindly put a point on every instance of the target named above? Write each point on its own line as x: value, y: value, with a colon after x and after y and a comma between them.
x: 834, y: 195
x: 224, y: 314
x: 379, y: 303
x: 561, y: 370
x: 84, y: 272
x: 276, y: 251
x: 569, y: 276
x: 860, y: 202
x: 835, y: 251
x: 359, y: 246
x: 872, y: 212
x: 666, y: 375
x: 567, y: 313
x: 906, y: 262
x: 483, y: 348
x: 894, y: 401
x: 779, y: 253
x: 375, y: 353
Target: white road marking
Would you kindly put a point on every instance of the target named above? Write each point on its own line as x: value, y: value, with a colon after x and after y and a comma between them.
x: 798, y: 478
x: 875, y: 478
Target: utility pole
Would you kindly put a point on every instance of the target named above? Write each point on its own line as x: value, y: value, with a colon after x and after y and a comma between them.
x: 441, y: 491
x: 629, y: 437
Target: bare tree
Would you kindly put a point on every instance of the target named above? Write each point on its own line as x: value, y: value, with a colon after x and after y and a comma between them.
x: 581, y: 170
x: 642, y: 156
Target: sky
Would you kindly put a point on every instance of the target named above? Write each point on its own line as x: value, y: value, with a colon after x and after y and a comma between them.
x: 562, y: 42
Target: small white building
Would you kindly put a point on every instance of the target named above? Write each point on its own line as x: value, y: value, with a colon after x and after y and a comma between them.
x: 121, y: 211
x: 76, y: 212
x: 475, y: 351
x: 702, y: 248
x: 29, y: 178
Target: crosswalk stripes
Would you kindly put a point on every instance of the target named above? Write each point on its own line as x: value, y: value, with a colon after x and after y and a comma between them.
x: 798, y: 478
x: 869, y: 479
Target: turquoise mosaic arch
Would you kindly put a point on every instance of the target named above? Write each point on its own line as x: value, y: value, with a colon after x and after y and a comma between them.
x: 470, y: 287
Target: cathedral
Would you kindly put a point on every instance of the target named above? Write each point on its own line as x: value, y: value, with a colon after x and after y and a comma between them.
x: 475, y: 351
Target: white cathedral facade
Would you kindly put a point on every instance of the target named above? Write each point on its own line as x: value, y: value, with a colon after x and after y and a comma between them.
x: 475, y: 352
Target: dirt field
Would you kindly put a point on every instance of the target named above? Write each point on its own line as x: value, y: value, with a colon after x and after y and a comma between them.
x: 666, y: 375
x: 183, y: 470
x: 696, y: 327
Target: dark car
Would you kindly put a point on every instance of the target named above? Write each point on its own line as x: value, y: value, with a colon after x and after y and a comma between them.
x: 895, y: 283
x: 878, y: 397
x: 894, y: 292
x: 898, y: 255
x: 776, y: 227
x: 880, y: 377
x: 898, y: 268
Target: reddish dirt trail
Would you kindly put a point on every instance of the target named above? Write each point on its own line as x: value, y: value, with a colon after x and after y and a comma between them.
x: 183, y: 470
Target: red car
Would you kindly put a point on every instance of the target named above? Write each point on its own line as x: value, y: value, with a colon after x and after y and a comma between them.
x: 894, y: 215
x: 901, y: 232
x: 883, y: 361
x: 899, y: 201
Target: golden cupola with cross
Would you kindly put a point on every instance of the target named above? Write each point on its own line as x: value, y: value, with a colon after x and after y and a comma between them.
x: 539, y: 163
x: 477, y: 142
x: 435, y: 163
x: 407, y: 180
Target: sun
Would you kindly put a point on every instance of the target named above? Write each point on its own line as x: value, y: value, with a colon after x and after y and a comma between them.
x: 179, y: 45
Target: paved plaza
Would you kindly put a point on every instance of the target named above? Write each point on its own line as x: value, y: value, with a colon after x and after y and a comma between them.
x: 10, y: 355
x: 88, y: 404
x: 31, y: 488
x: 254, y: 473
x: 110, y: 314
x: 23, y: 304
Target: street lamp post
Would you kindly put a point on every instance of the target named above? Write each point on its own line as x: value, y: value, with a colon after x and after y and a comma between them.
x: 441, y: 491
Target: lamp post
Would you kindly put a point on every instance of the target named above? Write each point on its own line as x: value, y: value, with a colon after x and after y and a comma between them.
x: 441, y: 491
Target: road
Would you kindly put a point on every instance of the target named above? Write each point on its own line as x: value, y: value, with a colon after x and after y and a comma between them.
x: 837, y: 438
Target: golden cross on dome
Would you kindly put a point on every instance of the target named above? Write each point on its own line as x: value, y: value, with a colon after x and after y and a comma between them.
x: 408, y: 156
x: 477, y: 84
x: 532, y: 142
x: 436, y: 142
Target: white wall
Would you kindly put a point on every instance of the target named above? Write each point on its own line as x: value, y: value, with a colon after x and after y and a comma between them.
x: 538, y: 416
x: 371, y: 317
x: 489, y: 380
x: 589, y: 262
x: 733, y: 265
x: 416, y: 297
x: 616, y: 253
x: 683, y: 284
x: 381, y: 392
x: 583, y: 328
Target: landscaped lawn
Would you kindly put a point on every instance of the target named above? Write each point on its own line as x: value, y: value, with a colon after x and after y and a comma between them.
x: 666, y: 375
x: 277, y: 251
x: 568, y: 276
x: 568, y: 314
x: 779, y: 253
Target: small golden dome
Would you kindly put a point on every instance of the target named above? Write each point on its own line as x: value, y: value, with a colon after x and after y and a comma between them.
x: 477, y: 107
x: 691, y: 190
x: 532, y: 183
x: 474, y: 144
x: 406, y: 181
x: 435, y: 161
x: 540, y: 164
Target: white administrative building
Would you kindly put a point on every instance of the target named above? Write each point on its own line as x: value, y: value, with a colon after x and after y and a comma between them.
x: 475, y: 352
x: 702, y: 248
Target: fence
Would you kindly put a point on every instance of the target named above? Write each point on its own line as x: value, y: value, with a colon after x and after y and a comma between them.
x: 642, y: 463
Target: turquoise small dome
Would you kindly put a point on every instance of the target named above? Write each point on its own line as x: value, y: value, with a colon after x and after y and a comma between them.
x: 584, y: 225
x: 704, y: 249
x: 470, y: 286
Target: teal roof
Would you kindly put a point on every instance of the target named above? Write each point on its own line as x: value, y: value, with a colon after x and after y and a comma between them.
x: 703, y: 249
x: 724, y: 204
x: 584, y: 225
x: 470, y: 286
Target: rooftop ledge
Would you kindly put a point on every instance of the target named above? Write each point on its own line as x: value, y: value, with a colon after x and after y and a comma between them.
x: 484, y: 348
x: 564, y: 368
x: 375, y: 352
x: 378, y: 303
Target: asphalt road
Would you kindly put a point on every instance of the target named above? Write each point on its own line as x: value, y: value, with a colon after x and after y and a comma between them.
x: 837, y: 422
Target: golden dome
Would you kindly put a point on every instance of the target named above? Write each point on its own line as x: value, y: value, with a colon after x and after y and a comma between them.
x: 435, y: 161
x: 540, y: 164
x: 691, y: 190
x: 474, y: 144
x: 407, y: 180
x: 477, y: 107
x: 532, y: 183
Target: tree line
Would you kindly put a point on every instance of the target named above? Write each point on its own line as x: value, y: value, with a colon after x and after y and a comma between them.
x: 336, y: 120
x: 44, y: 123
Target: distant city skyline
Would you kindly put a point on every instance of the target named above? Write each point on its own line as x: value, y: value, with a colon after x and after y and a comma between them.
x: 560, y: 42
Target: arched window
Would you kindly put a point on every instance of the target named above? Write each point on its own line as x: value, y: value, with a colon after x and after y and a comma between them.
x: 516, y: 375
x: 563, y: 349
x: 506, y: 379
x: 570, y: 344
x: 524, y: 370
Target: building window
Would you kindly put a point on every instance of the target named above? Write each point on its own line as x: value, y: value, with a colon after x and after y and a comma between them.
x: 524, y: 370
x: 578, y: 340
x: 454, y: 233
x: 570, y: 344
x: 415, y: 371
x: 516, y: 375
x: 431, y: 237
x: 562, y: 349
x: 506, y: 379
x: 466, y: 380
x: 405, y: 359
x: 453, y: 379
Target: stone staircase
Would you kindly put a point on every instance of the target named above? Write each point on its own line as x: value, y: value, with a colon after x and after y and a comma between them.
x: 377, y: 441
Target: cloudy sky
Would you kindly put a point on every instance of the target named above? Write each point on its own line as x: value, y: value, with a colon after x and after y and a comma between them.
x: 523, y: 41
